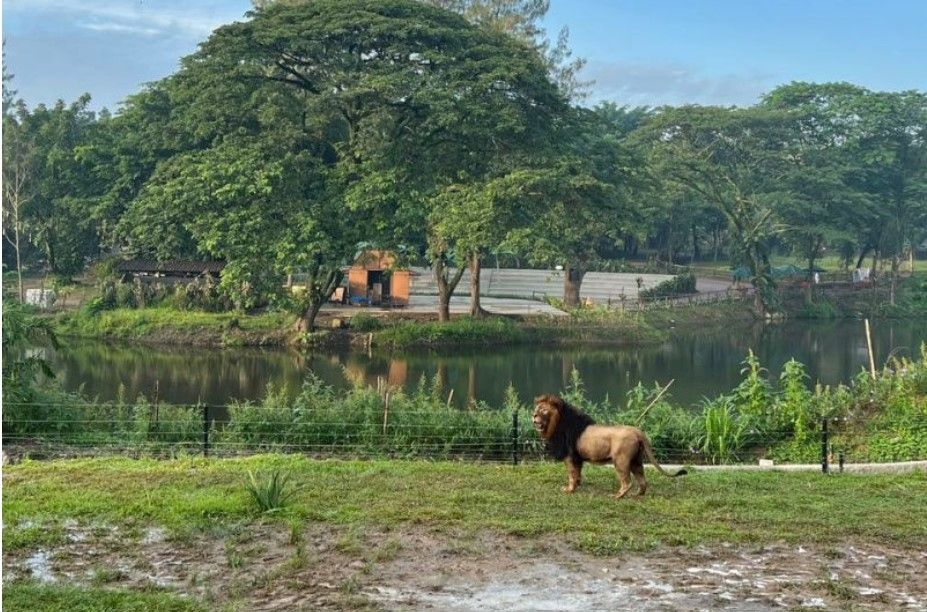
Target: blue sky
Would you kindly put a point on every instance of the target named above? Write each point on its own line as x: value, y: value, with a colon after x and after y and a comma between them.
x: 648, y: 52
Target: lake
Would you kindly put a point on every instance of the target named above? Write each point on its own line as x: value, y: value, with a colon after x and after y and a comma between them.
x: 702, y: 363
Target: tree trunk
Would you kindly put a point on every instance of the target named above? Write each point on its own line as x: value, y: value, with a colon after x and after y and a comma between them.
x: 19, y: 265
x: 894, y: 280
x: 446, y: 286
x: 572, y: 282
x: 306, y: 323
x: 51, y: 263
x: 695, y: 252
x: 320, y: 285
x: 475, y: 264
x: 812, y: 257
x: 758, y: 300
x: 862, y: 255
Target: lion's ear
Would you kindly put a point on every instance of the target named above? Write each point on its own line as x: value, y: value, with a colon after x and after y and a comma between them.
x: 556, y: 401
x: 542, y: 399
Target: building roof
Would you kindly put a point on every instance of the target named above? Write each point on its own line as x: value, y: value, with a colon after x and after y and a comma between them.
x: 175, y: 266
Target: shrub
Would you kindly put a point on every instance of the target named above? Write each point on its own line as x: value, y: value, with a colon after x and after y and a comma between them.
x: 724, y: 431
x: 365, y: 323
x: 681, y: 284
x: 462, y: 331
x: 822, y: 309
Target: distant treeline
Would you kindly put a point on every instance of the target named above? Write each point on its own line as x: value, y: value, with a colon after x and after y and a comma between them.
x: 290, y: 138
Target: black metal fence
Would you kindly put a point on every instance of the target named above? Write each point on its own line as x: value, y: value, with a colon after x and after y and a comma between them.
x: 67, y: 430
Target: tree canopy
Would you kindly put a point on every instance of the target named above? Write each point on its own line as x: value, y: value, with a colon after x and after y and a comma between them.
x: 444, y: 130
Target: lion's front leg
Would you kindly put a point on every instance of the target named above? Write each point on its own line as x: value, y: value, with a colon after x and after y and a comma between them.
x: 574, y: 475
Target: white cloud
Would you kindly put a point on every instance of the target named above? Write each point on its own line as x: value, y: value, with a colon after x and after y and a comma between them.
x: 655, y: 84
x: 135, y: 16
x: 118, y: 27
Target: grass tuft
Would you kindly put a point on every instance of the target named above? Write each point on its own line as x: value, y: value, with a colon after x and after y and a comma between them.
x: 270, y: 494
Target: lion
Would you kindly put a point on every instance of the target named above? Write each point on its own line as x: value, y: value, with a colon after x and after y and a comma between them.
x: 571, y: 435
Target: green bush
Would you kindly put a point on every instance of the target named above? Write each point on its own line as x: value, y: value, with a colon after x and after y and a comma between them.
x: 822, y: 309
x: 463, y: 331
x: 365, y: 323
x: 681, y: 284
x: 724, y: 432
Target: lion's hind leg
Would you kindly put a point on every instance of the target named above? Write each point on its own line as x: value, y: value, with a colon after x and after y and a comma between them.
x: 637, y: 468
x: 623, y: 469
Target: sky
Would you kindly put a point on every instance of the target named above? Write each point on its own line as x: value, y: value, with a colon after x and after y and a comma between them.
x: 638, y: 52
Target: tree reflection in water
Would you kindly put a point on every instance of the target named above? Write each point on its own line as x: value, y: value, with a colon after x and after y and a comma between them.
x: 703, y: 364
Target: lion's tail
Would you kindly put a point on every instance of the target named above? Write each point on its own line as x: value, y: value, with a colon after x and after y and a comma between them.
x: 648, y: 452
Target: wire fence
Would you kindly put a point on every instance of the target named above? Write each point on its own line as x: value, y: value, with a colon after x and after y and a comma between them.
x: 87, y: 430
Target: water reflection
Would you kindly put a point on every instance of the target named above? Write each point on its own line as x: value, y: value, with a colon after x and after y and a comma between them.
x: 703, y: 364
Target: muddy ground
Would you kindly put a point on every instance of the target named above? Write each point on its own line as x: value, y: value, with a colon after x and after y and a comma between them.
x: 313, y: 567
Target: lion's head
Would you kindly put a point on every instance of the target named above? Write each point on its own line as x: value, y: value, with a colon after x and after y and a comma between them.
x: 559, y: 424
x: 546, y: 414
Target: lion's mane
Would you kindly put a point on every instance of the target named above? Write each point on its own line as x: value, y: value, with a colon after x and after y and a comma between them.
x: 570, y: 426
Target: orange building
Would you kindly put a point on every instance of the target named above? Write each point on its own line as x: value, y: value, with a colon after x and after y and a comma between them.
x: 374, y: 279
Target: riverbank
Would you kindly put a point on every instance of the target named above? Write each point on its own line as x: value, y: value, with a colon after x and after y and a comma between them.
x: 171, y: 326
x: 846, y: 301
x: 187, y: 535
x: 393, y: 329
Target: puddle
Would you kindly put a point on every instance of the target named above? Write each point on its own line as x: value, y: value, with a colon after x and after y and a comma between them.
x: 39, y: 566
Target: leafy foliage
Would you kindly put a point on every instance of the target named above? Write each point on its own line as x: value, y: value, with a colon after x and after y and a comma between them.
x: 21, y: 365
x: 681, y: 284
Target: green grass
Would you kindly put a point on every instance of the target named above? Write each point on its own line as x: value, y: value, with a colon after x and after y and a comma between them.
x: 165, y: 324
x: 831, y: 263
x: 701, y: 508
x: 29, y: 596
x: 458, y: 332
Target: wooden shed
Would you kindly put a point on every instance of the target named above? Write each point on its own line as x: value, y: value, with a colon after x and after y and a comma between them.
x: 374, y: 279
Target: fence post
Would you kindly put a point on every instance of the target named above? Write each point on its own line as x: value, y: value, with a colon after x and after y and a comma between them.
x: 205, y: 430
x: 515, y: 436
x: 824, y: 465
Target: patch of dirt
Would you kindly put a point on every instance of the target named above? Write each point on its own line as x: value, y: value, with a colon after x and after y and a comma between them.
x: 313, y: 567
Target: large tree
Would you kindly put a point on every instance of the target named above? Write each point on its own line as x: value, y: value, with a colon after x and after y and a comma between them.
x: 313, y: 125
x: 580, y: 202
x: 50, y: 186
x: 817, y: 202
x: 18, y: 160
x: 732, y: 158
x: 892, y: 148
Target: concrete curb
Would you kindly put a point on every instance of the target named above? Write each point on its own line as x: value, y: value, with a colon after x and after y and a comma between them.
x: 901, y: 467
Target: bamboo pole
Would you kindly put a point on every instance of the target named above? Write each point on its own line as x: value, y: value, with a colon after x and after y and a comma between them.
x: 872, y: 371
x: 654, y: 401
x: 385, y: 411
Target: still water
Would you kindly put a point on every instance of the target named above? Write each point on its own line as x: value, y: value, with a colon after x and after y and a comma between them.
x: 703, y: 364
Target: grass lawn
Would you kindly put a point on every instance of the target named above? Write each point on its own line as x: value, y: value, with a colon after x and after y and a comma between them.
x: 213, y: 528
x: 170, y: 325
x: 830, y: 263
x: 25, y: 595
x: 194, y: 494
